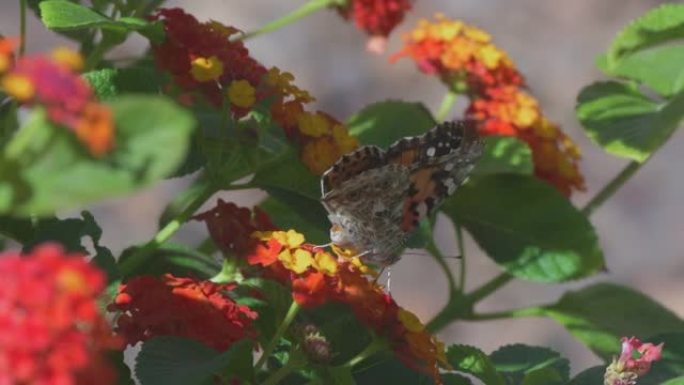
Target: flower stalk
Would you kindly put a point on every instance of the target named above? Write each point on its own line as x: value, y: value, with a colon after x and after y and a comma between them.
x: 299, y: 13
x: 282, y: 328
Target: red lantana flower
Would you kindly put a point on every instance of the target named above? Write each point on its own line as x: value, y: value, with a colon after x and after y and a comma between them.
x: 376, y: 17
x: 51, y: 331
x: 183, y: 307
x: 634, y: 361
x: 231, y: 226
x: 205, y: 57
x: 52, y: 82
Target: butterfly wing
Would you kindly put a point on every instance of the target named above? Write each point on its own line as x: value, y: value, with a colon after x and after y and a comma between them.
x: 350, y: 165
x: 439, y: 161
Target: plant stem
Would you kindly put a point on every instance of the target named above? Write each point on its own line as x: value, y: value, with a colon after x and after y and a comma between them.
x: 462, y: 256
x: 373, y: 347
x: 289, y: 317
x: 305, y: 10
x: 22, y: 26
x: 128, y: 266
x: 489, y: 287
x: 439, y: 258
x: 444, y: 108
x: 612, y: 187
x: 282, y: 372
x: 460, y: 306
x: 531, y: 311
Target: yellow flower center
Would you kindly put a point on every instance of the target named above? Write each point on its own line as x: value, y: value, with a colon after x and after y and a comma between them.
x: 241, y: 93
x: 204, y: 69
x: 18, y: 86
x: 68, y: 58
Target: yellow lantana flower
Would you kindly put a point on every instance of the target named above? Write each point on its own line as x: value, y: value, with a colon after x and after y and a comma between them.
x: 204, y: 69
x: 241, y: 93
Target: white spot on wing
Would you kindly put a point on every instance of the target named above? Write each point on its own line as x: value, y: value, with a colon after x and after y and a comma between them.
x: 431, y: 151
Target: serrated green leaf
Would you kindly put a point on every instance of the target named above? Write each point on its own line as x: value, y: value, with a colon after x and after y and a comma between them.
x: 514, y: 362
x: 44, y: 168
x: 599, y: 315
x: 109, y: 83
x: 383, y: 123
x: 527, y: 227
x: 661, y: 68
x: 471, y: 360
x: 181, y: 361
x: 658, y: 25
x: 625, y: 122
x: 504, y: 154
x: 591, y: 376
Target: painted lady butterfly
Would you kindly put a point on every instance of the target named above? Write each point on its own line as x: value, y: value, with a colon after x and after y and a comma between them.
x: 375, y: 198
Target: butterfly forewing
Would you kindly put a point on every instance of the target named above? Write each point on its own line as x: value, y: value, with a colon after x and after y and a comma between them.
x: 378, y: 197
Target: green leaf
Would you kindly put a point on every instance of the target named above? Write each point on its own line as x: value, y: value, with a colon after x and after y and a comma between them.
x: 44, y: 168
x: 591, y: 376
x: 289, y: 174
x: 516, y: 361
x: 504, y: 154
x: 660, y: 68
x: 543, y: 376
x: 675, y: 381
x: 291, y: 211
x: 471, y: 360
x: 273, y: 307
x: 658, y: 25
x: 455, y: 379
x: 599, y: 315
x: 176, y: 259
x: 62, y: 15
x: 181, y: 361
x: 109, y: 83
x: 625, y: 122
x: 339, y: 375
x: 527, y: 227
x: 385, y: 122
x: 386, y: 369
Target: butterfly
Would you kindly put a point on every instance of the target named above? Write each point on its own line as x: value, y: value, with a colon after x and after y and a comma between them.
x: 376, y: 198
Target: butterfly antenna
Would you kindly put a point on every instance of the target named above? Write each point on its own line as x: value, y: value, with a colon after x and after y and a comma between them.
x: 425, y: 253
x: 323, y: 246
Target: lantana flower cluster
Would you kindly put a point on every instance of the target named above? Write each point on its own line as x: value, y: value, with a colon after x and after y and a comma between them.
x: 634, y: 361
x: 53, y: 83
x: 51, y: 331
x: 375, y: 17
x: 466, y: 60
x: 183, y: 307
x: 317, y: 277
x: 210, y: 59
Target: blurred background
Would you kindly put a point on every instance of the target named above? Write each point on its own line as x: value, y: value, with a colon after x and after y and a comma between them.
x: 553, y: 44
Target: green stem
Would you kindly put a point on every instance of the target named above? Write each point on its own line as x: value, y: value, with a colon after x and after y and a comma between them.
x: 460, y: 306
x: 289, y: 317
x: 612, y: 187
x: 444, y: 108
x: 532, y: 311
x: 305, y: 10
x: 22, y: 26
x: 282, y: 372
x: 375, y: 346
x: 488, y: 288
x: 462, y: 256
x: 439, y: 258
x: 130, y: 264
